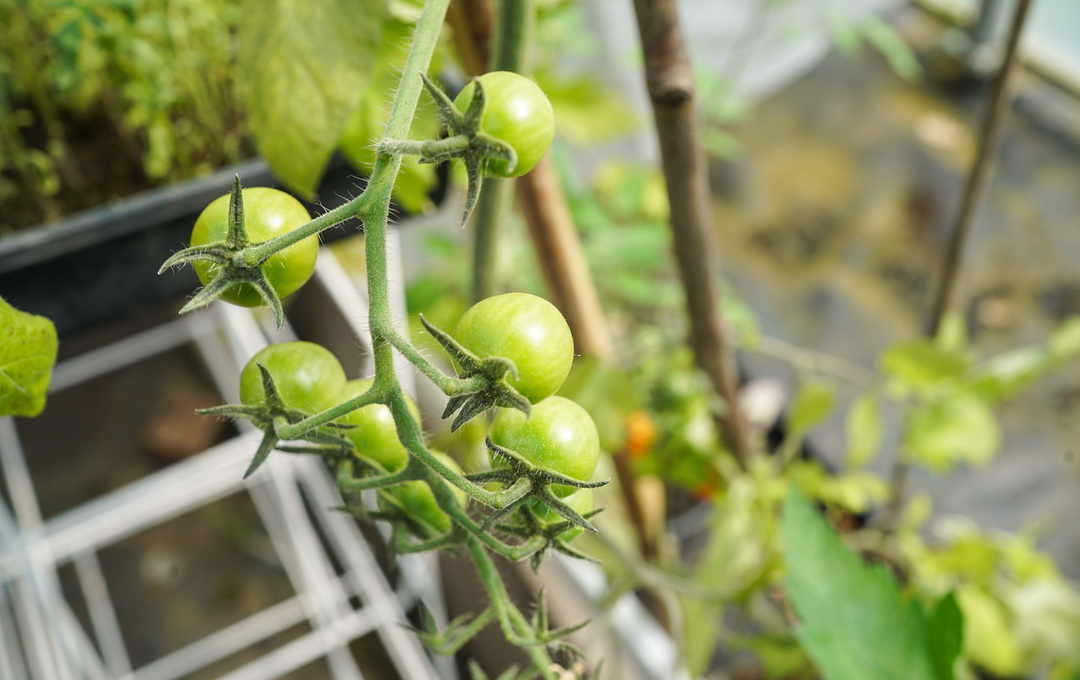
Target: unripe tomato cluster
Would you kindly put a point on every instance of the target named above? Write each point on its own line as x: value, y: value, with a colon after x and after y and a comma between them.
x: 559, y: 435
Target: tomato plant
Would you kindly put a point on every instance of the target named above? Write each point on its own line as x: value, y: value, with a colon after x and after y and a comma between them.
x: 526, y: 329
x: 516, y: 112
x: 418, y: 500
x: 559, y: 436
x: 267, y: 213
x: 373, y: 433
x: 307, y: 376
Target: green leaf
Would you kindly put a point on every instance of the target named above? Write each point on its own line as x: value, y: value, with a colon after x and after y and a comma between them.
x: 701, y: 629
x: 891, y: 45
x: 922, y: 364
x: 945, y: 636
x: 304, y: 66
x: 27, y: 354
x: 864, y: 430
x: 854, y: 623
x: 811, y: 406
x: 988, y: 640
x: 1064, y: 343
x: 958, y: 428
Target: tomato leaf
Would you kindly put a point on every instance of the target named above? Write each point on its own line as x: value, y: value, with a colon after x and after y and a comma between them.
x: 922, y: 364
x: 811, y: 406
x: 957, y: 428
x: 854, y: 623
x: 864, y: 430
x: 305, y: 65
x: 27, y: 353
x: 945, y: 635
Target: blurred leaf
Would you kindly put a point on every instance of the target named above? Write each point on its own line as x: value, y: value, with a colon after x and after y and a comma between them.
x: 945, y: 636
x: 811, y: 406
x: 701, y: 629
x: 922, y: 364
x: 305, y: 65
x: 1064, y: 343
x: 721, y: 143
x: 958, y: 428
x: 864, y: 430
x: 854, y: 492
x: 27, y: 353
x: 952, y: 334
x: 891, y: 45
x: 853, y: 622
x: 988, y: 641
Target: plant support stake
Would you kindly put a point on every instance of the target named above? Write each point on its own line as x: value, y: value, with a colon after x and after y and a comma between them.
x: 669, y: 76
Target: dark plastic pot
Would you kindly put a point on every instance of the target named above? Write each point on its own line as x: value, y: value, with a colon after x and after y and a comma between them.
x: 102, y: 263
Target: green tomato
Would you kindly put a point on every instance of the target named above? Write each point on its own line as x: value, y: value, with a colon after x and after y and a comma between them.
x: 267, y: 213
x: 559, y: 436
x: 418, y: 500
x: 526, y: 329
x: 517, y: 112
x: 307, y: 376
x: 375, y: 434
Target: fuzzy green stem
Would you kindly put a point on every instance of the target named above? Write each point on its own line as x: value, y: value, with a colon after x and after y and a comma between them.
x: 513, y: 622
x: 371, y: 396
x: 425, y: 148
x: 261, y: 252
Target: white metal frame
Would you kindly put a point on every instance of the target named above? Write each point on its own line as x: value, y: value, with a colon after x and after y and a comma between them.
x: 40, y: 637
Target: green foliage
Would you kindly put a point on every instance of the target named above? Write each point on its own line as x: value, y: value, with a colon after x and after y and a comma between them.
x: 305, y: 65
x: 864, y: 430
x: 853, y: 620
x: 27, y: 353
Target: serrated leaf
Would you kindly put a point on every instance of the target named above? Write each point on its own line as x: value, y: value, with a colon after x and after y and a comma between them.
x: 854, y: 623
x: 864, y: 430
x: 812, y: 404
x: 958, y: 428
x: 304, y: 67
x: 945, y: 636
x: 27, y: 354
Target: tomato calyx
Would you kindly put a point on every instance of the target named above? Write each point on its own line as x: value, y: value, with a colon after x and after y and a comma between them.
x: 271, y: 417
x: 466, y: 141
x: 459, y: 631
x: 233, y: 269
x: 540, y: 481
x: 489, y: 375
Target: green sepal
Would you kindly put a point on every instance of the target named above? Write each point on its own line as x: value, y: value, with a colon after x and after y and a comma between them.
x: 269, y: 416
x: 232, y: 271
x: 494, y: 391
x: 458, y: 632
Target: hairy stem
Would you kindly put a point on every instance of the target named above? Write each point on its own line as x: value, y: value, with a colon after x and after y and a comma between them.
x: 510, y: 618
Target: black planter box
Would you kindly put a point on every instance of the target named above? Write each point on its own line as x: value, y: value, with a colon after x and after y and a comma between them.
x: 102, y: 263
